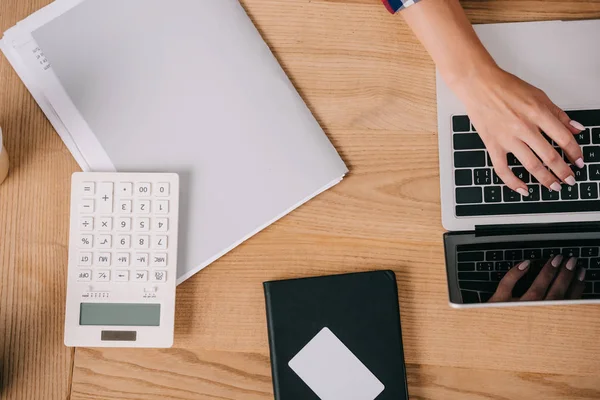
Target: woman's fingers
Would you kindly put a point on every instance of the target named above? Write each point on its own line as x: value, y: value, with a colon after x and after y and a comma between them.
x: 573, y: 126
x: 533, y: 164
x: 507, y: 284
x: 501, y: 168
x: 578, y: 286
x: 555, y: 129
x: 539, y: 287
x: 563, y: 280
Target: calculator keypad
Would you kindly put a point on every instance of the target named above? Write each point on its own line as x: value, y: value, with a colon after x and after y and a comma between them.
x: 124, y: 232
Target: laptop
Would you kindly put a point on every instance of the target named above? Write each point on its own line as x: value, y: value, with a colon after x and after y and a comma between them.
x: 491, y: 228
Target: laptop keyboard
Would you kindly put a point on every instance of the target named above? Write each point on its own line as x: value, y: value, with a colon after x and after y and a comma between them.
x: 482, y: 266
x: 480, y: 192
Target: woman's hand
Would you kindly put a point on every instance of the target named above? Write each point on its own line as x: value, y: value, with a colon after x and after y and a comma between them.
x: 557, y: 280
x: 509, y: 115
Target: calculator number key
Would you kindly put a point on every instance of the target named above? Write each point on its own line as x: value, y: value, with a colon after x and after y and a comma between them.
x: 123, y: 242
x: 125, y: 206
x: 161, y: 224
x: 159, y: 276
x: 159, y: 242
x: 142, y: 242
x: 124, y: 224
x: 161, y: 189
x: 142, y: 206
x: 161, y: 207
x: 142, y: 224
x: 86, y: 241
x: 142, y: 189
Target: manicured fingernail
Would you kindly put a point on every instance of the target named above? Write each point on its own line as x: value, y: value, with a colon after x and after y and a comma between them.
x: 577, y: 125
x: 571, y: 263
x: 579, y: 163
x: 523, y: 192
x: 581, y: 276
x: 557, y: 260
x: 555, y: 186
x: 524, y: 265
x: 570, y: 181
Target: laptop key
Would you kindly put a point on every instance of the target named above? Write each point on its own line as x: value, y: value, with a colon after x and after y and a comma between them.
x: 570, y: 252
x: 510, y: 195
x: 524, y: 208
x: 580, y: 174
x: 492, y: 194
x: 585, y: 117
x: 485, y: 266
x: 593, y: 275
x: 589, y: 252
x: 494, y: 255
x: 496, y: 179
x: 469, y: 159
x: 466, y: 267
x: 589, y: 191
x: 521, y: 173
x: 512, y: 160
x: 534, y: 193
x: 583, y: 137
x: 532, y: 254
x: 591, y: 154
x: 569, y: 192
x: 594, y: 172
x: 481, y: 286
x: 470, y: 297
x: 475, y: 276
x: 516, y: 255
x: 589, y: 287
x: 548, y: 194
x: 595, y: 262
x: 503, y: 265
x: 469, y: 195
x: 583, y: 263
x: 596, y: 135
x: 471, y: 256
x: 463, y: 177
x: 461, y: 123
x: 497, y: 276
x: 483, y: 176
x: 467, y: 141
x: 547, y: 253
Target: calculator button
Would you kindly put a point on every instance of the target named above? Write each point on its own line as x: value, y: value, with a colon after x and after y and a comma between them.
x: 142, y: 224
x: 88, y: 189
x: 103, y: 260
x: 102, y: 276
x: 142, y: 242
x: 159, y: 260
x: 161, y: 206
x: 86, y: 241
x: 159, y: 242
x: 141, y: 276
x: 104, y: 241
x: 105, y: 194
x: 142, y: 189
x: 123, y: 259
x: 105, y: 224
x: 86, y: 224
x: 142, y: 206
x: 84, y: 275
x: 125, y: 189
x: 159, y: 276
x: 124, y: 224
x: 125, y: 206
x: 122, y: 276
x: 86, y: 206
x: 85, y: 259
x: 140, y: 260
x: 161, y: 224
x: 161, y: 189
x: 123, y: 242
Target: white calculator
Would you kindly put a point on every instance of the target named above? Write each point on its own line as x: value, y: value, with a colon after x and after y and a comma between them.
x: 122, y: 260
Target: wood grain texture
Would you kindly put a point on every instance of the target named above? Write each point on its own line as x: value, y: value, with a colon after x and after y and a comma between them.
x: 371, y: 86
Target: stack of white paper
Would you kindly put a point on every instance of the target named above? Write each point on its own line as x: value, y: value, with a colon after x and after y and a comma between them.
x: 184, y: 86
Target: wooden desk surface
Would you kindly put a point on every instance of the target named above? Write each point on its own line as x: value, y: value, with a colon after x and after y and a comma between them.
x: 371, y: 86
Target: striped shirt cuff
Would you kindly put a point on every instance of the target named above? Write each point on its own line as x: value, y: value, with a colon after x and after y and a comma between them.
x: 396, y: 5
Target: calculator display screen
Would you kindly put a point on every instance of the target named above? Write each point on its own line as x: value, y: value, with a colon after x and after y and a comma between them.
x: 119, y: 314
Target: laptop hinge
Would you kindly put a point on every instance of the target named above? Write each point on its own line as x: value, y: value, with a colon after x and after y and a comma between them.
x: 524, y: 229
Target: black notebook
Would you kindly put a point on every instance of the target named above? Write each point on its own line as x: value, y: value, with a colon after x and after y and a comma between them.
x: 336, y: 338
